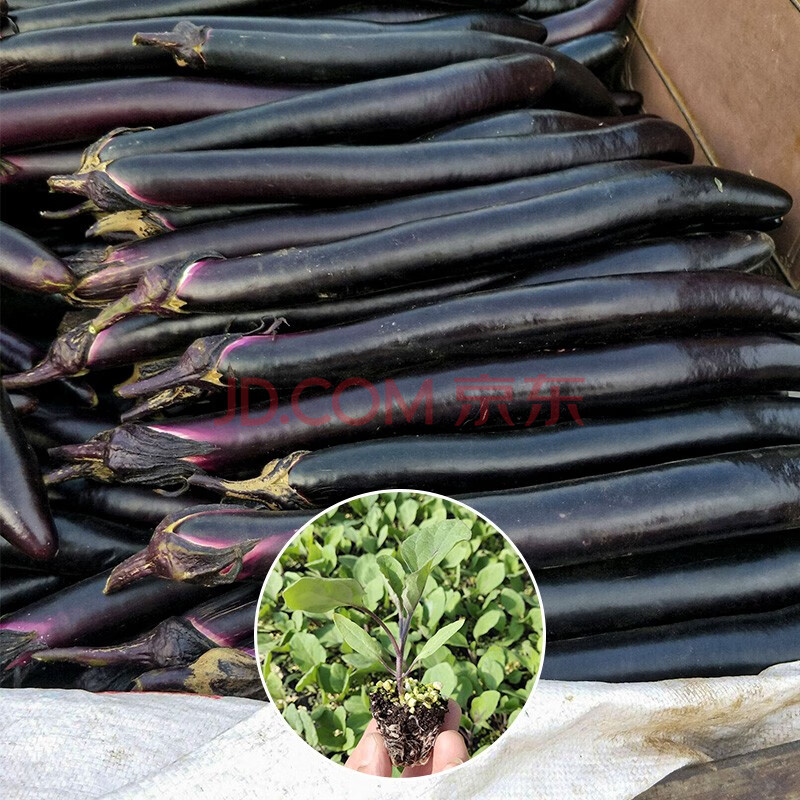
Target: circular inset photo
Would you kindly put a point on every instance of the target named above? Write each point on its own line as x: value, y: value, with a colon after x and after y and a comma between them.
x: 400, y: 633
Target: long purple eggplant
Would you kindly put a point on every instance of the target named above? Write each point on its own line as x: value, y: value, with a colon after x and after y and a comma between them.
x: 114, y: 271
x: 742, y: 251
x: 597, y: 51
x: 86, y: 545
x: 222, y: 671
x: 490, y: 324
x: 50, y: 425
x: 26, y: 265
x: 82, y: 612
x: 343, y: 174
x: 612, y: 379
x: 25, y: 519
x: 348, y: 58
x: 738, y: 576
x: 96, y: 51
x: 591, y: 17
x: 210, y: 546
x: 29, y: 169
x: 137, y: 338
x: 482, y: 241
x: 24, y: 404
x: 743, y: 644
x: 129, y: 507
x: 23, y: 587
x: 17, y: 354
x: 628, y: 101
x: 223, y: 621
x: 651, y: 508
x: 356, y: 112
x: 480, y: 462
x: 80, y: 112
x: 522, y: 122
x: 544, y: 8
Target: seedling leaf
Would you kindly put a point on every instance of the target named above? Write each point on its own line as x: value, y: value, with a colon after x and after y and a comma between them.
x: 358, y: 638
x: 318, y: 595
x: 431, y: 543
x: 438, y: 639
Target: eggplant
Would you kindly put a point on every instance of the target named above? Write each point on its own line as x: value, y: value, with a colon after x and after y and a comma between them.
x: 650, y: 508
x: 80, y: 112
x: 131, y: 339
x: 628, y: 101
x: 29, y: 169
x: 743, y: 644
x: 745, y: 575
x: 107, y: 274
x: 735, y: 250
x: 481, y: 241
x: 23, y: 404
x: 223, y: 621
x: 591, y: 17
x: 346, y: 58
x: 210, y: 546
x: 70, y: 13
x: 497, y: 460
x: 82, y: 613
x: 101, y: 50
x: 222, y: 671
x: 493, y: 323
x: 356, y: 112
x: 22, y: 587
x: 543, y: 8
x: 25, y: 519
x: 349, y: 173
x: 50, y: 426
x: 26, y: 265
x: 596, y: 51
x: 127, y: 506
x: 522, y: 122
x: 607, y: 380
x: 86, y: 545
x: 17, y: 354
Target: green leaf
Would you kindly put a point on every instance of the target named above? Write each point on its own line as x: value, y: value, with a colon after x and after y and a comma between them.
x: 512, y: 602
x: 407, y: 512
x: 275, y: 687
x: 486, y: 622
x: 308, y: 679
x: 332, y: 677
x: 358, y: 638
x: 483, y: 706
x: 431, y: 543
x: 414, y: 586
x: 442, y: 673
x: 490, y: 577
x: 433, y: 604
x: 306, y: 650
x: 491, y: 672
x: 293, y: 718
x: 393, y: 575
x: 273, y: 585
x: 438, y: 640
x: 317, y: 595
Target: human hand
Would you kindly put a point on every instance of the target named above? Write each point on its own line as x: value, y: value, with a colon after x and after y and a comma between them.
x: 371, y: 757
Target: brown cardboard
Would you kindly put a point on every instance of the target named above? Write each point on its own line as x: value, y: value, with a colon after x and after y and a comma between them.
x: 729, y: 72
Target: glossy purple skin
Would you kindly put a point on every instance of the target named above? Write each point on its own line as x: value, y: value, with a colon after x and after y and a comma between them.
x: 85, y: 111
x: 26, y: 265
x: 24, y: 169
x: 594, y: 16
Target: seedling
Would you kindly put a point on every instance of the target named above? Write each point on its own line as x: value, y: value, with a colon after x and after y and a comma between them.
x: 409, y: 714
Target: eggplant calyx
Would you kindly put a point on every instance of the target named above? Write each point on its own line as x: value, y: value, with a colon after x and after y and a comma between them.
x: 137, y: 221
x: 272, y: 487
x: 66, y: 357
x: 17, y: 646
x: 184, y: 42
x: 132, y: 569
x: 92, y: 156
x: 162, y: 400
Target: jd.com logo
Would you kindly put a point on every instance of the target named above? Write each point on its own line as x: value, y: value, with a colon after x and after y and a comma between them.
x: 489, y: 396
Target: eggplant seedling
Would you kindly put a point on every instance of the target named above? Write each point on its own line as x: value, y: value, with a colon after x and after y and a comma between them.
x: 409, y: 714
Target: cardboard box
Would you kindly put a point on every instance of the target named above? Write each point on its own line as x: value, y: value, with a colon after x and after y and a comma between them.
x: 728, y: 71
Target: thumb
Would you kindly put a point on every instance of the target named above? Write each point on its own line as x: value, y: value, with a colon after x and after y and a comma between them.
x: 371, y: 757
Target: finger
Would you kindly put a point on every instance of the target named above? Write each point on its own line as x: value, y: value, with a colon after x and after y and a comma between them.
x: 448, y: 752
x: 358, y: 752
x: 419, y: 770
x: 452, y: 718
x: 372, y: 758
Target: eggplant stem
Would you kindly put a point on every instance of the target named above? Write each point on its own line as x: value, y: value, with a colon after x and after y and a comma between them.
x: 130, y: 570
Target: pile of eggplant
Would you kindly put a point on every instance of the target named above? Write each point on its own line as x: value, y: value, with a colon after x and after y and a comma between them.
x: 258, y: 256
